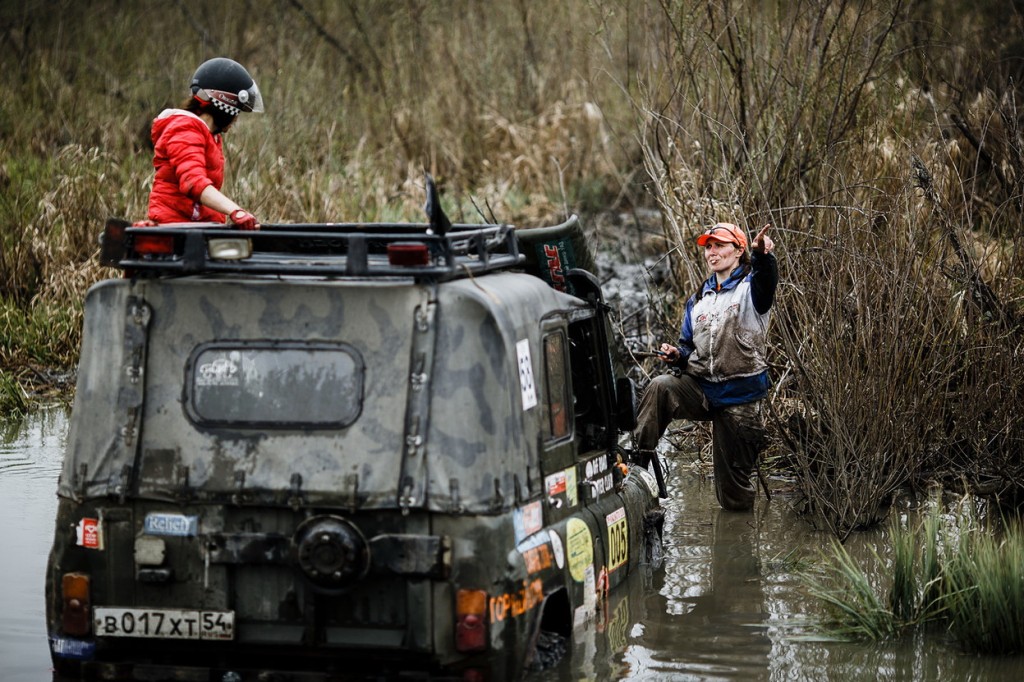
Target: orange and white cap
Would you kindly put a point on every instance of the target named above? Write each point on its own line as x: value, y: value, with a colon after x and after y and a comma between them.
x: 727, y: 233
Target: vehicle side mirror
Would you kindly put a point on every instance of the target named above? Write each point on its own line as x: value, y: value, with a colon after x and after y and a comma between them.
x: 625, y: 404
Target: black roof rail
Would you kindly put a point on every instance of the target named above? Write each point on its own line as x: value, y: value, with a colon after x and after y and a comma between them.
x: 313, y: 249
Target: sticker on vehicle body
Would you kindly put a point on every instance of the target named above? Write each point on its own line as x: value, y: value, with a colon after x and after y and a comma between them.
x: 527, y: 520
x: 222, y: 371
x: 580, y: 549
x: 526, y: 383
x: 552, y: 252
x: 89, y: 533
x: 599, y: 476
x: 514, y: 604
x: 69, y: 647
x: 618, y: 538
x: 558, y: 549
x: 572, y: 491
x: 590, y: 588
x: 537, y: 553
x: 555, y: 483
x: 162, y: 523
x: 560, y: 493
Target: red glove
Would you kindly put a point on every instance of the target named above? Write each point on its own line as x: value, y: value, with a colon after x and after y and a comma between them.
x: 244, y: 220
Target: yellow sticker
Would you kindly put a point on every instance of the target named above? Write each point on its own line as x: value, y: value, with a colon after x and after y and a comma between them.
x: 579, y: 547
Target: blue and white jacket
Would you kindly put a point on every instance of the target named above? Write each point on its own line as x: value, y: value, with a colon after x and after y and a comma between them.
x: 723, y: 337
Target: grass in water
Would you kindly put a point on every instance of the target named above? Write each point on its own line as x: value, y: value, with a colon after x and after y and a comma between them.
x: 983, y: 589
x: 13, y: 400
x: 855, y: 608
x: 949, y: 570
x: 36, y: 346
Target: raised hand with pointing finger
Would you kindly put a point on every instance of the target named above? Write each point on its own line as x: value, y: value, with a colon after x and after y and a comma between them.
x: 762, y: 242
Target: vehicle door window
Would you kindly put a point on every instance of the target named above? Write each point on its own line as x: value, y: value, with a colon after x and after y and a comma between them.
x: 556, y: 416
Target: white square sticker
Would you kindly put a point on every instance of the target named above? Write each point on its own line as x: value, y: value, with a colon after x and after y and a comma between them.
x: 526, y: 374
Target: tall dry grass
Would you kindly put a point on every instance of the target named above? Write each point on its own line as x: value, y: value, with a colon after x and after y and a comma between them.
x: 891, y: 167
x: 882, y: 139
x: 498, y: 102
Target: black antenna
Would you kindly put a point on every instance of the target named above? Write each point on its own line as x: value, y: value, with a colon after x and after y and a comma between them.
x: 439, y: 222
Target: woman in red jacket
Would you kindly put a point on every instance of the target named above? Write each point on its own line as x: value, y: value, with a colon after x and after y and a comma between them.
x: 188, y: 155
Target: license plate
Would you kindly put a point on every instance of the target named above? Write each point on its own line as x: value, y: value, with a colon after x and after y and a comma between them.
x: 165, y: 623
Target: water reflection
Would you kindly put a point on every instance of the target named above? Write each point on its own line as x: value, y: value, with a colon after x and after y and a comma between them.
x: 714, y: 590
x: 30, y: 459
x: 729, y: 606
x: 710, y: 600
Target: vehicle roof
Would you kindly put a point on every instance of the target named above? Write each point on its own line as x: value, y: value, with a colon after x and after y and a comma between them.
x: 477, y: 434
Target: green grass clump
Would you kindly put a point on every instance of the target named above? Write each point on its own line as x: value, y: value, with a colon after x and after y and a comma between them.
x: 916, y: 582
x: 983, y: 589
x: 950, y: 571
x: 38, y: 349
x: 857, y: 610
x: 45, y: 335
x: 13, y: 400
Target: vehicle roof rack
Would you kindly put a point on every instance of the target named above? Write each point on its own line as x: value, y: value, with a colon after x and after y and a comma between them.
x: 311, y: 249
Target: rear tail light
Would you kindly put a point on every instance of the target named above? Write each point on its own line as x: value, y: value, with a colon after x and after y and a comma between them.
x: 408, y: 253
x: 77, y: 615
x: 154, y: 244
x: 470, y: 620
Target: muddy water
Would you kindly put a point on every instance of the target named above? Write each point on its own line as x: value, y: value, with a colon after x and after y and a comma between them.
x: 726, y: 606
x: 729, y: 606
x: 30, y: 459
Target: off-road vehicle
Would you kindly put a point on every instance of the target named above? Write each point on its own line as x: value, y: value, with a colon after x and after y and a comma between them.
x: 316, y: 450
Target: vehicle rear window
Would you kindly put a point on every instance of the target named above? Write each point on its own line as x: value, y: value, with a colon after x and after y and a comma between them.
x: 282, y: 385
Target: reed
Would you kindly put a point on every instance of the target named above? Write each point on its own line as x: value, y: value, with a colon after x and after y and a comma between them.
x: 899, y: 345
x: 882, y: 139
x: 857, y: 610
x: 949, y: 570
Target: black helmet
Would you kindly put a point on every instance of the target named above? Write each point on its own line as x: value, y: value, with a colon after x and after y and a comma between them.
x: 227, y: 84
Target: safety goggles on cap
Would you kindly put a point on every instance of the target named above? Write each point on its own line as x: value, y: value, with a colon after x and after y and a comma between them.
x: 727, y: 233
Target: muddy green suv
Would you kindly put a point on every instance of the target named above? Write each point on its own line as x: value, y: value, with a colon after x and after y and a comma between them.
x: 319, y: 450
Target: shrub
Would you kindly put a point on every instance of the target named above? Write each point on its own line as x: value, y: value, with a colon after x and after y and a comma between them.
x: 897, y: 207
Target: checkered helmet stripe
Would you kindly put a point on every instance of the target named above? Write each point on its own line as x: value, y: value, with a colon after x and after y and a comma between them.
x: 225, y: 107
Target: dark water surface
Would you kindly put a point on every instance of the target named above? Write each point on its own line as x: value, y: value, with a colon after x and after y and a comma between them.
x: 30, y: 459
x: 727, y: 605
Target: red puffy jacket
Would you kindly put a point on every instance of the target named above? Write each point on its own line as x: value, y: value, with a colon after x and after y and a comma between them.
x: 187, y: 158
